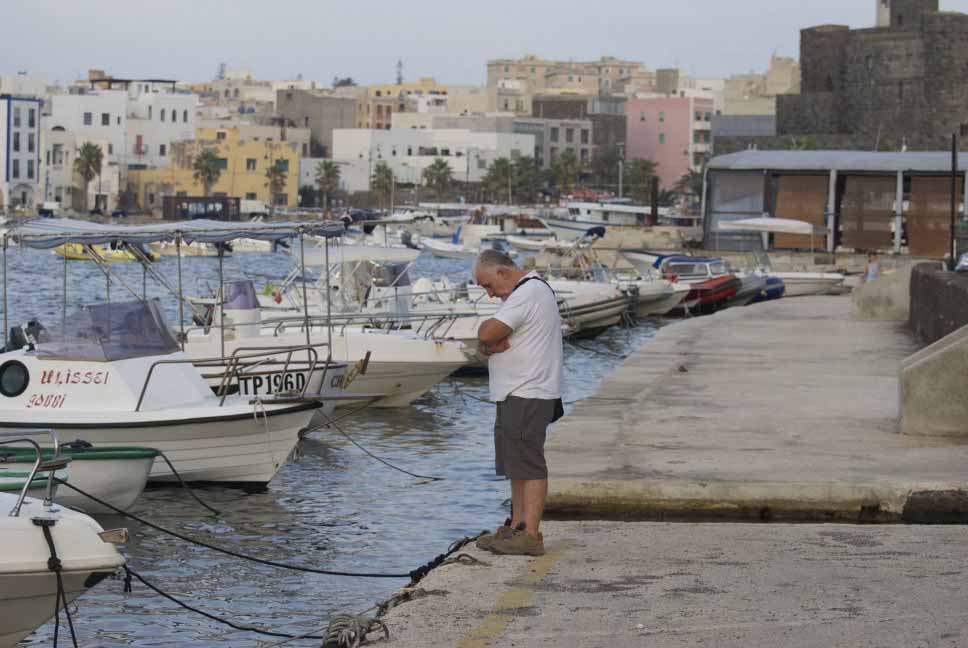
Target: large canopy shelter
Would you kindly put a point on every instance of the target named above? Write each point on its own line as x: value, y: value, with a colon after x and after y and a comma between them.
x: 772, y: 225
x: 47, y: 233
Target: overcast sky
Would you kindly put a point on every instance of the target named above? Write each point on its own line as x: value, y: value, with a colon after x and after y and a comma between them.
x: 186, y: 39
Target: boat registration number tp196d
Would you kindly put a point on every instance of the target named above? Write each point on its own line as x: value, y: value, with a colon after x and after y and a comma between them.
x: 269, y: 384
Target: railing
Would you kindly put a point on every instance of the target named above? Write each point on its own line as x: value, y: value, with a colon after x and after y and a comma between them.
x: 51, y: 465
x: 234, y: 366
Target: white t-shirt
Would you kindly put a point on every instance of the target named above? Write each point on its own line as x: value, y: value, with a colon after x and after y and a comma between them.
x: 532, y: 367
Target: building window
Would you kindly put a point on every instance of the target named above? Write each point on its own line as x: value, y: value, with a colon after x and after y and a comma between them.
x: 222, y: 163
x: 584, y: 136
x: 220, y: 135
x: 151, y: 199
x: 570, y: 135
x: 185, y: 116
x: 698, y: 116
x: 162, y: 114
x: 250, y: 164
x: 16, y: 169
x: 88, y: 119
x: 282, y: 165
x: 505, y: 68
x: 584, y: 155
x: 31, y: 118
x: 641, y: 116
x: 553, y: 153
x: 30, y: 142
x: 306, y: 122
x: 696, y: 138
x: 30, y: 169
x: 250, y: 196
x: 481, y: 164
x: 661, y: 138
x: 174, y: 116
x: 662, y: 116
x: 16, y: 117
x: 709, y: 117
x: 554, y: 134
x: 162, y: 150
x: 16, y: 142
x: 149, y: 112
x: 105, y: 119
x: 282, y: 199
x: 110, y: 149
x: 118, y: 120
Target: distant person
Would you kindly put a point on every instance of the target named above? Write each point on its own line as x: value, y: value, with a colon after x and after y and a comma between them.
x: 524, y: 348
x: 873, y: 270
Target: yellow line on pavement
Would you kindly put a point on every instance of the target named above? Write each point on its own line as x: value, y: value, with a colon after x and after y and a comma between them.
x: 515, y: 598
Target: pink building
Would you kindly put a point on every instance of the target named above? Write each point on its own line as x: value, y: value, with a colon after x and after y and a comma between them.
x: 674, y: 132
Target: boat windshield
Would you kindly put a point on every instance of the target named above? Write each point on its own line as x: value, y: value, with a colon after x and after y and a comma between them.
x: 241, y: 295
x: 115, y: 331
x: 687, y: 269
x: 718, y: 268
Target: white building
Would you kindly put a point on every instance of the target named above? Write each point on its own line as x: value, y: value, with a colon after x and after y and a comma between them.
x: 20, y: 151
x: 409, y: 152
x: 139, y: 121
x: 23, y: 84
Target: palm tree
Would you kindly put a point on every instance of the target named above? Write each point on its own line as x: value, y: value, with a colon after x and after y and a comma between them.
x: 691, y: 184
x: 327, y: 177
x: 566, y: 169
x: 438, y: 176
x: 276, y: 183
x: 527, y: 179
x: 499, y: 178
x: 207, y: 169
x: 381, y: 183
x: 605, y: 167
x: 638, y: 179
x: 87, y: 164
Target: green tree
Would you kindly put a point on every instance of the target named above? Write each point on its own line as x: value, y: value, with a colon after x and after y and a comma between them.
x: 87, y: 164
x: 691, y: 184
x: 668, y: 197
x: 438, y: 176
x: 307, y: 196
x: 566, y: 170
x: 343, y: 82
x: 638, y: 179
x: 605, y: 168
x: 276, y: 176
x: 327, y: 178
x: 207, y: 170
x: 499, y: 179
x: 381, y: 182
x: 527, y: 179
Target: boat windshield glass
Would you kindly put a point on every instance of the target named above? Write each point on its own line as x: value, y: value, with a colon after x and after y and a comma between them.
x: 241, y: 295
x: 687, y: 269
x: 718, y: 268
x: 115, y: 331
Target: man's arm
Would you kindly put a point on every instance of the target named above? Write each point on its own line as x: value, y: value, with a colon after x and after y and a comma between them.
x: 493, y: 335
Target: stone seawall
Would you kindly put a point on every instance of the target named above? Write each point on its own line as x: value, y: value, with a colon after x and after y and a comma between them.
x: 939, y: 302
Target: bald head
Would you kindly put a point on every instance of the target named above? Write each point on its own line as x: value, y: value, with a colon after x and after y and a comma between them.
x: 496, y: 273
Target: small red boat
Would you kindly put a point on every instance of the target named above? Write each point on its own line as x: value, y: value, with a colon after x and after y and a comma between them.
x: 712, y: 284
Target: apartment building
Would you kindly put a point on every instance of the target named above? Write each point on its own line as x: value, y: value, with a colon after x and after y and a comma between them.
x: 243, y: 161
x: 321, y: 112
x: 606, y: 115
x: 674, y: 132
x: 513, y: 83
x: 138, y: 119
x: 409, y: 151
x: 20, y: 152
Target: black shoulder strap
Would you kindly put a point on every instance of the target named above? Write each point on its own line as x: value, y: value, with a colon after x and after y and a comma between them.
x: 527, y: 279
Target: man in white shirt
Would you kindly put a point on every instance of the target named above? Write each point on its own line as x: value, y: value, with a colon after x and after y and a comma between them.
x: 523, y: 342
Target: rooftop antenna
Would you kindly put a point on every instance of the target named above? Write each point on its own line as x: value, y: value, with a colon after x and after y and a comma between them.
x: 220, y: 75
x: 399, y: 72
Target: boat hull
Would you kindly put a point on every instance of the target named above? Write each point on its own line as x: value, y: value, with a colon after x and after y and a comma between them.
x: 805, y: 285
x: 244, y: 450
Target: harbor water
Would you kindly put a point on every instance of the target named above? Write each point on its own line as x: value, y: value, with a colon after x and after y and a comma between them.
x: 332, y: 507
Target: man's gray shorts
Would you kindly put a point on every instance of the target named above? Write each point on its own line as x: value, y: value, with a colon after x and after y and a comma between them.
x: 519, y: 437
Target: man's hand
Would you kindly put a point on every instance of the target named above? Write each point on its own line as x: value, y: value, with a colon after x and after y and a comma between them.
x: 497, y: 347
x: 493, y: 331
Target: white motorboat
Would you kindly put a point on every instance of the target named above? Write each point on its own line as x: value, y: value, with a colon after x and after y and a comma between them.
x: 28, y: 588
x: 801, y: 284
x: 652, y: 297
x: 589, y: 307
x: 193, y: 249
x: 115, y: 376
x: 401, y: 366
x: 452, y: 250
x: 115, y: 475
x: 532, y: 244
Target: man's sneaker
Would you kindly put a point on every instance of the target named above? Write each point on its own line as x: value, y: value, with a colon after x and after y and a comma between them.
x: 518, y: 544
x: 502, y: 532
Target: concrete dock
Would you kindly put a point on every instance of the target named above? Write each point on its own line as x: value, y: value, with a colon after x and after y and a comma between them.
x: 786, y: 411
x: 670, y: 585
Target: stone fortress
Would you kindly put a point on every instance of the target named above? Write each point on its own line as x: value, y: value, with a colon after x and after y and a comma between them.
x: 903, y: 83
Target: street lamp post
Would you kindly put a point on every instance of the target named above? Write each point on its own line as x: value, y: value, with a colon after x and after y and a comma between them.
x: 621, y: 166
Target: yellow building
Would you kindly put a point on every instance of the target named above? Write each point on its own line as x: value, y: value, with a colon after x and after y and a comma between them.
x: 243, y: 163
